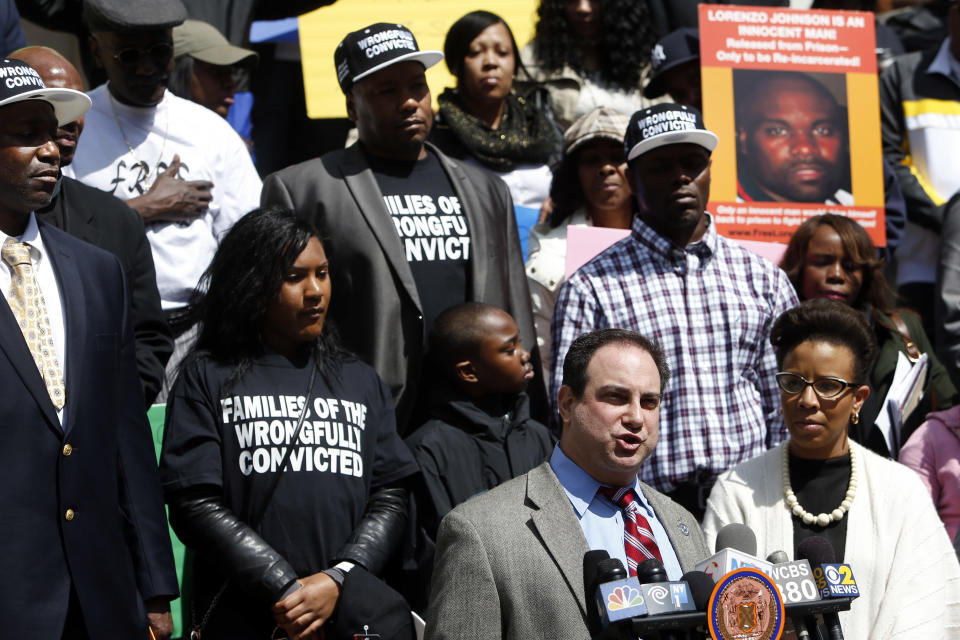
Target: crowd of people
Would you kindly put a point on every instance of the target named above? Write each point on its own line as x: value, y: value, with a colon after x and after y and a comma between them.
x: 385, y: 398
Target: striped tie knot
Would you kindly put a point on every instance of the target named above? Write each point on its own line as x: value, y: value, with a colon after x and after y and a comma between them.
x: 638, y: 541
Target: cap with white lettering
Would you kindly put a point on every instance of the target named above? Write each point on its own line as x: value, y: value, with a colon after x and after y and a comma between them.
x: 663, y: 124
x: 20, y: 82
x: 376, y: 47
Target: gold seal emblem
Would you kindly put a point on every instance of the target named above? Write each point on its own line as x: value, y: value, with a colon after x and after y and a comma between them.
x: 746, y: 605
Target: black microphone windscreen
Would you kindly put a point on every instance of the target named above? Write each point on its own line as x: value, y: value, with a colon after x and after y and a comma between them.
x: 737, y: 536
x: 651, y: 570
x: 591, y: 559
x: 778, y: 557
x: 816, y: 550
x: 609, y: 570
x: 701, y: 586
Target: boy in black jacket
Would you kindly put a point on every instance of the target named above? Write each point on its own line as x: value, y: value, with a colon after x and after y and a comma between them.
x: 480, y: 432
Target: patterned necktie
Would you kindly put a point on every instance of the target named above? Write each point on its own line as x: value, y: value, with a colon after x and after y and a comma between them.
x: 638, y: 540
x: 26, y: 302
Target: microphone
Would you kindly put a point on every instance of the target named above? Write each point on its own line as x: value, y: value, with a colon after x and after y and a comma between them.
x: 834, y: 580
x: 795, y: 582
x: 617, y: 597
x: 663, y: 597
x: 736, y: 548
x: 701, y: 586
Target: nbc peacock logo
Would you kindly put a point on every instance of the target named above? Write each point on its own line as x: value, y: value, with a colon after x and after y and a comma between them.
x: 623, y: 597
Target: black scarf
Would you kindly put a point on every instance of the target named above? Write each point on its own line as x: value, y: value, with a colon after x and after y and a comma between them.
x: 525, y: 134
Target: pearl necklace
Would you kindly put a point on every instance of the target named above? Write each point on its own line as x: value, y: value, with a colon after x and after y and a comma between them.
x: 822, y: 519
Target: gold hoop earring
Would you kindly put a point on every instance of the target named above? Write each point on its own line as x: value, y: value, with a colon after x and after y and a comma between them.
x: 855, y: 418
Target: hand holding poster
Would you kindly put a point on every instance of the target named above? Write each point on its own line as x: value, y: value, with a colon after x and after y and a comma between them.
x: 793, y: 97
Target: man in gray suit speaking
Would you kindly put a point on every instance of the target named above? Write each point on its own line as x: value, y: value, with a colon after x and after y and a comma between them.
x: 509, y: 563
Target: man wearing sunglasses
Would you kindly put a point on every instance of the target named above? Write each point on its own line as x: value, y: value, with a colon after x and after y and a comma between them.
x: 706, y: 300
x: 180, y: 166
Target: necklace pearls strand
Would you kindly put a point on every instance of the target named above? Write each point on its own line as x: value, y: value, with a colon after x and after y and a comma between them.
x: 822, y: 519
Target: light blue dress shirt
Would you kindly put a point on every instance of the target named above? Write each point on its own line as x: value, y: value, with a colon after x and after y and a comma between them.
x: 601, y: 520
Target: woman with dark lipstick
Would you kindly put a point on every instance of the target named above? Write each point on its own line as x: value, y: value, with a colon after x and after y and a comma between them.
x: 281, y: 462
x: 874, y: 512
x: 832, y: 256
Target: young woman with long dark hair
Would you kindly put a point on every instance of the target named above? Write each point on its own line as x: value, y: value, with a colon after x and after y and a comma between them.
x: 281, y: 463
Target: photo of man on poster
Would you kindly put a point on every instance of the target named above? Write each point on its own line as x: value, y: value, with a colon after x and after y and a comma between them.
x: 792, y: 142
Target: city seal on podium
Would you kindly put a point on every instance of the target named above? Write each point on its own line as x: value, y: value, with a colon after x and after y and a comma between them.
x: 745, y: 605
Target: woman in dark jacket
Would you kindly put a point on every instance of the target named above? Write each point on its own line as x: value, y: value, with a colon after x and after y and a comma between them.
x: 832, y: 256
x: 281, y: 462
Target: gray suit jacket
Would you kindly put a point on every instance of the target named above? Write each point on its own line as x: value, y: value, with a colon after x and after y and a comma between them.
x: 375, y: 304
x: 509, y: 563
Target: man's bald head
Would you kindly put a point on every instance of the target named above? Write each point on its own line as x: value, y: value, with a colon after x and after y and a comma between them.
x: 56, y: 71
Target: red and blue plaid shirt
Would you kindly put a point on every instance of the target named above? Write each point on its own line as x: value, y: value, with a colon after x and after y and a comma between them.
x: 711, y: 307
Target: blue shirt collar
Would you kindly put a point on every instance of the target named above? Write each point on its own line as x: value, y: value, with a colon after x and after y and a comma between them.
x: 945, y: 64
x: 580, y: 486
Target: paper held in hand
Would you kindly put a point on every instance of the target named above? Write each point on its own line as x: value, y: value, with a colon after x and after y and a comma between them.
x: 902, y: 399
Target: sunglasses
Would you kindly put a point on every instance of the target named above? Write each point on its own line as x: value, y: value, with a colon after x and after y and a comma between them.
x: 826, y: 388
x: 160, y: 53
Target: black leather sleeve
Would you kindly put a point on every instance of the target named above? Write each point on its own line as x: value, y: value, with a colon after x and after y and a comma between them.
x: 202, y: 522
x: 379, y: 532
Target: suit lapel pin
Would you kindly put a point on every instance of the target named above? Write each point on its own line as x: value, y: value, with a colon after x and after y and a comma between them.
x: 684, y: 529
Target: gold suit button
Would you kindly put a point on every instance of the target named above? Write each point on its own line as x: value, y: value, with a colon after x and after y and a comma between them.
x: 69, y: 515
x: 67, y: 449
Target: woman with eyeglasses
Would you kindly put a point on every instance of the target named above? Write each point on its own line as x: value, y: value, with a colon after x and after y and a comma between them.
x: 832, y: 257
x: 875, y: 512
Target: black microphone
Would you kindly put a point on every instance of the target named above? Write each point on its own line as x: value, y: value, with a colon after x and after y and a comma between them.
x: 701, y: 587
x: 616, y: 596
x: 795, y: 582
x: 819, y: 552
x: 662, y: 596
x: 591, y: 559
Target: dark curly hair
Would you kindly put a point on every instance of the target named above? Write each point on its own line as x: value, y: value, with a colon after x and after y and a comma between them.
x: 626, y: 39
x: 830, y: 321
x: 857, y: 245
x: 240, y: 284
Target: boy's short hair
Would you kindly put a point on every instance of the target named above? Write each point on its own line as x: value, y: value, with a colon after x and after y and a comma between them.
x: 457, y: 333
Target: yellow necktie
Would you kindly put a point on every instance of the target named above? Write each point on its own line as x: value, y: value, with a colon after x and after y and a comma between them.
x: 26, y: 302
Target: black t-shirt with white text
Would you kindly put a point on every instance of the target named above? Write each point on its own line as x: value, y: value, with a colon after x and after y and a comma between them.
x: 432, y: 227
x: 235, y: 438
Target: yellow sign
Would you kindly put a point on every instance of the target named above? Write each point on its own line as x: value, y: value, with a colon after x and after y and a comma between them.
x: 322, y: 30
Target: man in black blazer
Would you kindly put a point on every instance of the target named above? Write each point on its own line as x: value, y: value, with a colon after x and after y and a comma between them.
x: 409, y: 231
x: 106, y: 222
x: 84, y: 548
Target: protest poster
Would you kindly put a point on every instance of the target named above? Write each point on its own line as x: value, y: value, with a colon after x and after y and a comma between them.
x: 793, y: 97
x: 322, y: 29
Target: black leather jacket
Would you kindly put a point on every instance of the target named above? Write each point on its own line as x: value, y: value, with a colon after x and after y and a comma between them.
x: 204, y: 524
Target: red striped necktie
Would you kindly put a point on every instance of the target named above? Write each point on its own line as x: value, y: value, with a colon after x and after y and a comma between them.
x: 638, y: 539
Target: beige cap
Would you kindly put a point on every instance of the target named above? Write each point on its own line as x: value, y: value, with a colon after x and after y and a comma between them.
x: 601, y: 123
x: 202, y: 41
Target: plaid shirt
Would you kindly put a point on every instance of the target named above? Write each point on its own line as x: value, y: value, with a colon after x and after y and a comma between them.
x: 711, y: 307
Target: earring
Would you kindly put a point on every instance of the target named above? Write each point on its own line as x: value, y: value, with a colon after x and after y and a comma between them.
x: 855, y: 418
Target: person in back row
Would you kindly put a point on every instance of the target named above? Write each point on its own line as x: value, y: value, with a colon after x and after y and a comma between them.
x: 709, y: 301
x: 106, y: 222
x: 411, y: 231
x: 480, y: 432
x: 176, y: 163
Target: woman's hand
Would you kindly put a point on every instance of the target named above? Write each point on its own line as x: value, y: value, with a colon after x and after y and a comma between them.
x: 303, y: 613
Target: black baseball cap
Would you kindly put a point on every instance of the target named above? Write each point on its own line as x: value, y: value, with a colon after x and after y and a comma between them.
x: 663, y: 124
x: 377, y: 47
x: 673, y: 50
x: 132, y: 15
x: 20, y: 82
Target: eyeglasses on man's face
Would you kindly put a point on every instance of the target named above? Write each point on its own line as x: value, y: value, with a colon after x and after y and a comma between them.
x: 826, y: 387
x: 160, y: 53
